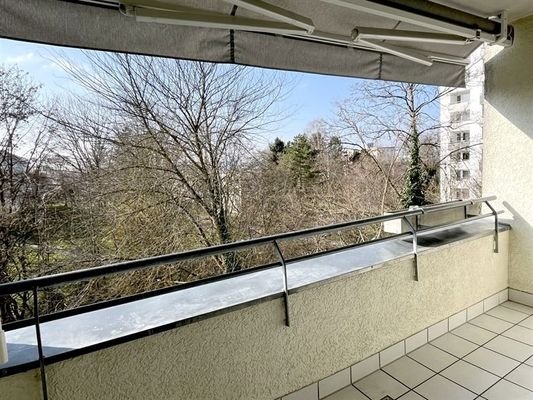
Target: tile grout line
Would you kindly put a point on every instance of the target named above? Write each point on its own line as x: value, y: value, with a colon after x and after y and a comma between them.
x: 490, y: 340
x: 466, y: 361
x: 509, y: 308
x: 465, y: 310
x: 404, y: 384
x: 353, y: 384
x: 500, y: 378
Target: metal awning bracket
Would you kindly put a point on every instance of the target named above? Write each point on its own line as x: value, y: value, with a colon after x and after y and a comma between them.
x: 505, y: 37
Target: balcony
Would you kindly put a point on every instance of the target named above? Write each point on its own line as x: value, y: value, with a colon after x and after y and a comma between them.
x: 335, y: 324
x: 436, y: 311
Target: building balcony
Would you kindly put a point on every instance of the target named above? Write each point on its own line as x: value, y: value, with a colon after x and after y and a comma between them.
x: 418, y: 314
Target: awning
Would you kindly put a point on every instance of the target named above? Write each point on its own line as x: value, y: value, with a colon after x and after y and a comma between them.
x: 402, y: 40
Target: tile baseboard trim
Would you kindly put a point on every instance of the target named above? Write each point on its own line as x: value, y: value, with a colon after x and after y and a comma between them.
x: 519, y: 296
x: 387, y: 355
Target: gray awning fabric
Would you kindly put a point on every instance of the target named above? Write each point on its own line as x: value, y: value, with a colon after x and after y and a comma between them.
x: 79, y: 24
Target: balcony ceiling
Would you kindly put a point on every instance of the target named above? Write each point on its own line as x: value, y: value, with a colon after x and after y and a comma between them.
x: 416, y: 40
x: 516, y: 8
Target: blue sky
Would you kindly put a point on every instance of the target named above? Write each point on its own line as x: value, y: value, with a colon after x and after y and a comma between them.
x: 313, y: 96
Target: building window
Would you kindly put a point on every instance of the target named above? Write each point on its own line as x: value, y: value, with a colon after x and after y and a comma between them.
x: 465, y: 155
x: 462, y: 194
x: 460, y: 97
x: 462, y: 136
x: 459, y: 116
x: 461, y: 174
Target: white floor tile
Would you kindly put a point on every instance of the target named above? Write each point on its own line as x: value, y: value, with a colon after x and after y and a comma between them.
x: 379, y: 384
x: 440, y: 388
x: 411, y: 396
x: 491, y: 361
x: 432, y: 357
x: 438, y: 329
x: 470, y: 377
x: 457, y: 320
x: 365, y: 367
x: 522, y: 376
x: 528, y: 323
x: 510, y: 348
x: 518, y: 307
x: 491, y: 323
x: 474, y: 311
x: 491, y: 302
x: 521, y: 334
x: 392, y: 353
x: 474, y: 333
x: 503, y: 296
x: 455, y: 345
x: 417, y: 340
x: 521, y: 297
x: 507, y: 314
x: 408, y: 371
x: 504, y: 390
x: 334, y: 383
x: 530, y: 361
x: 348, y: 393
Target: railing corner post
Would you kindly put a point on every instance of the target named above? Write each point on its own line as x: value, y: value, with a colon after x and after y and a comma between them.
x: 496, y: 238
x: 40, y: 351
x: 415, y: 245
x: 285, y: 282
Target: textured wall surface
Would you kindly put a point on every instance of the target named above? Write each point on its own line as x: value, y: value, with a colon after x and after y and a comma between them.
x: 508, y: 145
x: 25, y: 386
x: 250, y: 354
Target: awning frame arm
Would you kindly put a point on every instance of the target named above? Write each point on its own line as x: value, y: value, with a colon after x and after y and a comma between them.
x: 210, y: 20
x: 277, y: 13
x: 367, y: 33
x: 434, y: 24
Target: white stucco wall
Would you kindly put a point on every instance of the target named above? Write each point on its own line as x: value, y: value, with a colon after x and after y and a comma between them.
x: 508, y: 144
x: 249, y: 353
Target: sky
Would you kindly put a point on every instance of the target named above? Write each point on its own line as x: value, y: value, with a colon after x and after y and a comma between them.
x: 312, y: 97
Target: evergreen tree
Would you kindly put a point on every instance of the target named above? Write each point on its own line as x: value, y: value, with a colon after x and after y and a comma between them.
x: 335, y: 147
x: 413, y: 193
x: 414, y: 190
x: 300, y: 158
x: 276, y: 150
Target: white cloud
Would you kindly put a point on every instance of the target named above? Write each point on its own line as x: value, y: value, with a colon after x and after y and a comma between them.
x: 20, y: 59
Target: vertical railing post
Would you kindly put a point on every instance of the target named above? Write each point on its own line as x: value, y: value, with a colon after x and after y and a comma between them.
x: 285, y: 282
x: 495, y: 213
x: 415, y: 245
x: 39, y: 343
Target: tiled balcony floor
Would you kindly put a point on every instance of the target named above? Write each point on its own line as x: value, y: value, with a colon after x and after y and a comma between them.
x: 490, y: 357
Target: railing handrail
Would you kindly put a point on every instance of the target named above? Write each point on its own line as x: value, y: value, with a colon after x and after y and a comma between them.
x: 128, y: 266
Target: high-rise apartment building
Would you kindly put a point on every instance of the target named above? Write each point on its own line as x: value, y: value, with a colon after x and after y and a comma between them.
x: 461, y: 135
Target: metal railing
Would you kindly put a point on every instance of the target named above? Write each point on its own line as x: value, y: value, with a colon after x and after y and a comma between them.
x: 37, y: 283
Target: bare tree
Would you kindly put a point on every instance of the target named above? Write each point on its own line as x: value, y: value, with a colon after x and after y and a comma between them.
x: 404, y: 118
x: 24, y: 188
x: 184, y: 126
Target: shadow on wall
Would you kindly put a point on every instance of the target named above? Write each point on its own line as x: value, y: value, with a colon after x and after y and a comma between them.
x: 520, y: 241
x: 511, y: 93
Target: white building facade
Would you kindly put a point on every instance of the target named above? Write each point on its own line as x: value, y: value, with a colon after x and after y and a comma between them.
x: 461, y: 135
